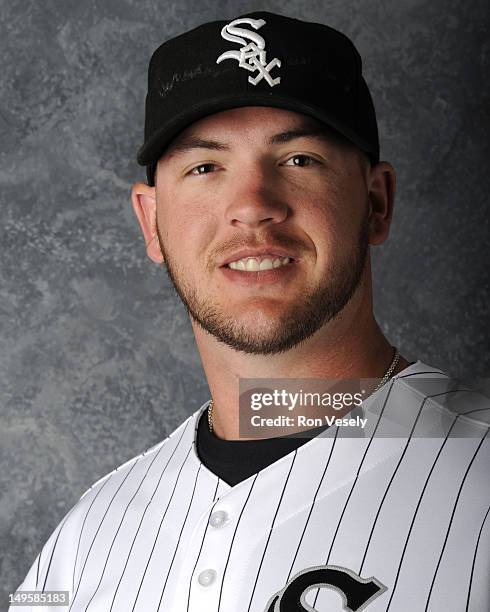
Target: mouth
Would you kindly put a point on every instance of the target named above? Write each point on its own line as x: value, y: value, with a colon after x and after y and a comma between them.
x: 259, y: 263
x: 259, y: 270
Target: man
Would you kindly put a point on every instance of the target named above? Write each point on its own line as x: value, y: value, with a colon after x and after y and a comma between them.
x: 265, y: 192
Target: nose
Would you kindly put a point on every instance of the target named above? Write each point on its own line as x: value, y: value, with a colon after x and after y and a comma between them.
x: 254, y: 200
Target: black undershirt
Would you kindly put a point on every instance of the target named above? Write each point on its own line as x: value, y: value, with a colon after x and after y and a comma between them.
x: 237, y: 460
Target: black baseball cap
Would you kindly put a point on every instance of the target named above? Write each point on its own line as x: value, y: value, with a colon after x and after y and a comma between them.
x: 257, y: 59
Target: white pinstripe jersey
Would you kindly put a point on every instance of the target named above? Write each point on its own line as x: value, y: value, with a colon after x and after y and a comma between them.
x: 341, y: 523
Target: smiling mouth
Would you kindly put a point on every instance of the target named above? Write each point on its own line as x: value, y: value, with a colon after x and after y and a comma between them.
x: 258, y: 264
x: 260, y: 271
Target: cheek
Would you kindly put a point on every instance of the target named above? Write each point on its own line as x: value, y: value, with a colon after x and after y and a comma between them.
x: 186, y: 224
x: 331, y: 217
x: 321, y: 207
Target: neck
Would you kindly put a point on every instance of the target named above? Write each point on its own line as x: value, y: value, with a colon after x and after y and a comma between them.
x: 350, y: 346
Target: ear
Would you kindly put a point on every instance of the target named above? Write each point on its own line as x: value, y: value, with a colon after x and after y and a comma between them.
x: 381, y: 187
x: 144, y: 202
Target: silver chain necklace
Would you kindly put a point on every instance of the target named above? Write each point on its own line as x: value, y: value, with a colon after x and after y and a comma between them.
x: 389, y: 371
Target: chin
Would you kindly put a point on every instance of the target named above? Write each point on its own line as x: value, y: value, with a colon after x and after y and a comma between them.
x: 260, y: 312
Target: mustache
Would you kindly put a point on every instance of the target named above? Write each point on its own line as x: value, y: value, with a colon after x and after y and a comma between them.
x: 243, y: 242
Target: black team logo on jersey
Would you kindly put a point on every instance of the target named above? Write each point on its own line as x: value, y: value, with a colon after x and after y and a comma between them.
x: 356, y: 592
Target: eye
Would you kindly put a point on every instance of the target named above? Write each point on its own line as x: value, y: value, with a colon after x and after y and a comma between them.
x: 301, y: 160
x: 201, y: 169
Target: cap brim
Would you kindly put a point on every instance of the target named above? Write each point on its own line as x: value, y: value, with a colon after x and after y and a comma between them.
x: 152, y: 150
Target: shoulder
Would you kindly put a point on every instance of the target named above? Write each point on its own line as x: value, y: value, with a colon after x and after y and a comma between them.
x: 142, y: 461
x: 442, y: 426
x: 434, y: 390
x: 60, y: 560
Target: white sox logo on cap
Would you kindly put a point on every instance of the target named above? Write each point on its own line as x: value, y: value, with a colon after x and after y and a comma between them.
x: 252, y: 55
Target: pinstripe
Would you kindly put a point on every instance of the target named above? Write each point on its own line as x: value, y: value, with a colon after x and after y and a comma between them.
x: 121, y: 522
x: 389, y: 485
x: 37, y: 568
x: 423, y: 372
x: 395, y: 471
x: 272, y: 527
x: 216, y: 490
x: 355, y: 482
x: 233, y: 539
x: 62, y: 524
x: 313, y: 504
x: 146, y: 508
x: 215, y: 501
x: 474, y: 559
x: 451, y: 519
x: 160, y: 526
x: 180, y: 535
x: 416, y: 512
x: 81, y: 530
x: 98, y: 529
x: 477, y: 410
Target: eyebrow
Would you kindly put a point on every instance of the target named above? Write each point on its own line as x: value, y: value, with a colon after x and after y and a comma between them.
x: 189, y: 143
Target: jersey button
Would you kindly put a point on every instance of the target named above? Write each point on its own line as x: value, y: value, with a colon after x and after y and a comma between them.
x: 218, y: 518
x: 206, y: 577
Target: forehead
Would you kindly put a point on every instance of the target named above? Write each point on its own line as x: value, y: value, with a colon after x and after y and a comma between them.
x: 269, y: 125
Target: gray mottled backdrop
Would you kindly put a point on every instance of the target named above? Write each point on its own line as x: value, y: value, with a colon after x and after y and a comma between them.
x: 97, y: 358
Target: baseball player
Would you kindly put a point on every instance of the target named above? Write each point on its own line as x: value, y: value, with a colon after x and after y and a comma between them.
x: 265, y: 193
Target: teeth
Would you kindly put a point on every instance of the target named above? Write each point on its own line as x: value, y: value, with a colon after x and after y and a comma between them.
x: 252, y: 264
x: 266, y: 264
